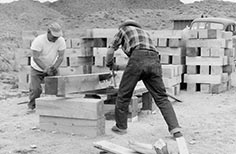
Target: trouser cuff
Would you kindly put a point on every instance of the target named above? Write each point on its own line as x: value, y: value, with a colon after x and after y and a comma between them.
x: 175, y: 130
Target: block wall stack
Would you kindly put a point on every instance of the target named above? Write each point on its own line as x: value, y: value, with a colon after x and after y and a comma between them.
x: 172, y: 58
x: 209, y: 60
x: 168, y: 44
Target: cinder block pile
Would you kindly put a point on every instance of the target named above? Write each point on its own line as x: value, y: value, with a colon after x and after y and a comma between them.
x: 209, y: 61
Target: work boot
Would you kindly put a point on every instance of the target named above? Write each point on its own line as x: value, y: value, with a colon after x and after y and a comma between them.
x: 119, y: 131
x: 31, y: 106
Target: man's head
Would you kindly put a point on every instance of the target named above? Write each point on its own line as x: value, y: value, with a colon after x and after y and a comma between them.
x: 54, y: 31
x: 130, y: 23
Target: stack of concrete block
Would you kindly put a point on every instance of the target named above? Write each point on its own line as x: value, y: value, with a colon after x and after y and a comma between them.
x: 172, y: 58
x: 168, y: 47
x: 209, y: 61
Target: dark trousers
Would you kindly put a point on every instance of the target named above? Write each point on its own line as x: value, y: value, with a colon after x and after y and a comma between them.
x: 35, y: 88
x: 144, y: 65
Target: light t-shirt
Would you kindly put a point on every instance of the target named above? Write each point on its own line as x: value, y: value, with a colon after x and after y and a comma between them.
x: 48, y: 50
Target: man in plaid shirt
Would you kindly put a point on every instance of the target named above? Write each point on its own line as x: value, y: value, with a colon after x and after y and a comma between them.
x: 143, y: 64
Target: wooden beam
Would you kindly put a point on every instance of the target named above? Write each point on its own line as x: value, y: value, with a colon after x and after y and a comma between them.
x: 69, y: 107
x: 62, y: 85
x: 113, y: 148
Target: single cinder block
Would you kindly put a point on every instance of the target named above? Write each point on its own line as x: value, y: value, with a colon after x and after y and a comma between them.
x: 76, y: 43
x: 174, y: 42
x: 205, y: 69
x: 205, y: 52
x: 217, y: 52
x: 191, y: 69
x: 216, y: 69
x: 205, y: 88
x: 192, y: 34
x: 191, y: 87
x: 162, y: 42
x: 192, y: 51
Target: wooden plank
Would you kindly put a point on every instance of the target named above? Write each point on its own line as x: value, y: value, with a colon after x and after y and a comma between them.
x: 84, y: 127
x: 82, y: 108
x: 78, y: 52
x: 61, y: 85
x: 113, y: 148
x: 183, y: 149
x: 166, y: 59
x: 70, y: 70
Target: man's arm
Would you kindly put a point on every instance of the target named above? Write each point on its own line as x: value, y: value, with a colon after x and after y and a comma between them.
x: 109, y: 57
x: 36, y: 55
x: 59, y: 59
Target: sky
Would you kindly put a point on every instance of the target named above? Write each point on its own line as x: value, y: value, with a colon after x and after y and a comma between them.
x: 184, y: 1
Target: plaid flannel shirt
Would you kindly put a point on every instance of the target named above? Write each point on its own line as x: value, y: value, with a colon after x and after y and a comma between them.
x: 130, y: 38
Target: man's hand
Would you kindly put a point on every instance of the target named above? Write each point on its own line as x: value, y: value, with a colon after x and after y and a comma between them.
x: 51, y: 71
x: 54, y: 70
x: 113, y: 67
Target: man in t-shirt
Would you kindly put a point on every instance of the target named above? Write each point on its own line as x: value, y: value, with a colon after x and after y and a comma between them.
x: 48, y: 54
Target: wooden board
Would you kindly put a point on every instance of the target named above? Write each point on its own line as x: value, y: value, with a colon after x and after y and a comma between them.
x: 70, y: 107
x: 113, y: 148
x: 85, y: 127
x: 183, y: 149
x: 62, y: 85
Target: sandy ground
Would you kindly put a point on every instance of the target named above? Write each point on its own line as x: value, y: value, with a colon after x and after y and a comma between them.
x: 208, y: 122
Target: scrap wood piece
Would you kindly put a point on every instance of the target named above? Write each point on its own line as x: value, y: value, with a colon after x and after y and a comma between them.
x: 113, y: 148
x: 159, y: 147
x: 142, y: 147
x: 62, y: 85
x: 183, y: 149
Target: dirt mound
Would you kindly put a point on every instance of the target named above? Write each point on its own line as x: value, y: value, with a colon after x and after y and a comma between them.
x: 80, y: 7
